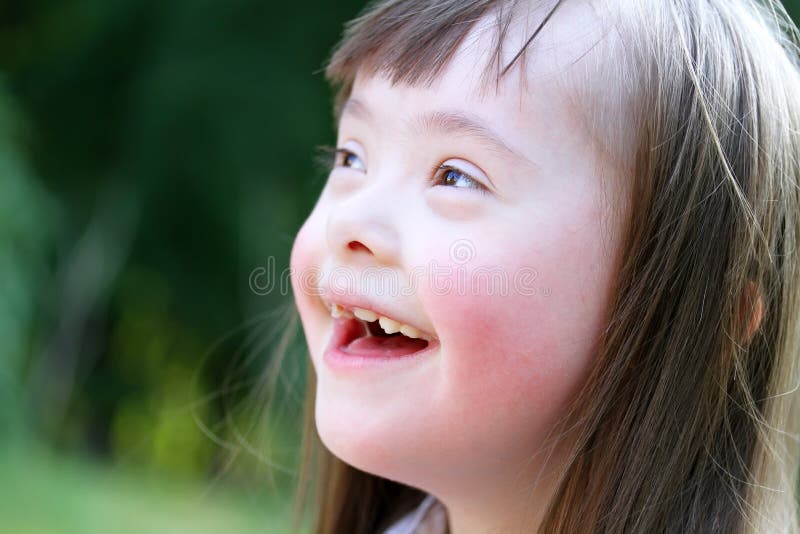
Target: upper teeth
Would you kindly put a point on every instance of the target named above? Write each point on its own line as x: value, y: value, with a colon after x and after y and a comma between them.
x: 390, y: 326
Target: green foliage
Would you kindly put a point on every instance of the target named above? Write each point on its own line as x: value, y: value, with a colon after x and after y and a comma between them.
x: 167, y: 152
x: 28, y: 216
x: 175, y: 140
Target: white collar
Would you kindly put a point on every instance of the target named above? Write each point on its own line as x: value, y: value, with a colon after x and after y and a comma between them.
x: 430, y: 517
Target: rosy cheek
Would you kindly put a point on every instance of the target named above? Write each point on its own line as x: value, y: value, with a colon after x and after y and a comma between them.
x: 503, y: 353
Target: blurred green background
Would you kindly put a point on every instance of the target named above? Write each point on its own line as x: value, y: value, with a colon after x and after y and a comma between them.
x: 153, y: 156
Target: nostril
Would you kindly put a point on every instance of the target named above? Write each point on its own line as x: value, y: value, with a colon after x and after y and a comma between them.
x: 357, y: 245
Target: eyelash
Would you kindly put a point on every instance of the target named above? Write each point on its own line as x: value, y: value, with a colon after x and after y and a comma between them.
x: 335, y: 155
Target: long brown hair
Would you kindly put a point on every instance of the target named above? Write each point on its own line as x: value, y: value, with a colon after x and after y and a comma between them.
x: 687, y: 421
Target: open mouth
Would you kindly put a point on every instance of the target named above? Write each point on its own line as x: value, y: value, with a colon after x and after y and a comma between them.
x: 358, y: 337
x: 368, y: 333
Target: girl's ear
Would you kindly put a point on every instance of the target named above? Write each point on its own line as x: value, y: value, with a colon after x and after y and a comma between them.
x: 751, y: 310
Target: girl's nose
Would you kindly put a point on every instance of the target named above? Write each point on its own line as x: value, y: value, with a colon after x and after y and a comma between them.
x: 361, y: 227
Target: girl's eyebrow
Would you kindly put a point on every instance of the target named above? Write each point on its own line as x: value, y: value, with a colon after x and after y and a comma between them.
x: 447, y: 122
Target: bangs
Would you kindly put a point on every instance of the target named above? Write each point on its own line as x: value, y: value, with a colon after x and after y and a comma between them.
x: 411, y: 41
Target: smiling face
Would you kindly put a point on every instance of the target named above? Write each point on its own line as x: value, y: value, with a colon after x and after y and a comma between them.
x: 495, y: 219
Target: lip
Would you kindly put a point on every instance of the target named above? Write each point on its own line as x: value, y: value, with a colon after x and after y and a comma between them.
x: 340, y: 361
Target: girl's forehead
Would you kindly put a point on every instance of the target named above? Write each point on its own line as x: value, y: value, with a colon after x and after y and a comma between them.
x: 562, y: 66
x: 563, y: 61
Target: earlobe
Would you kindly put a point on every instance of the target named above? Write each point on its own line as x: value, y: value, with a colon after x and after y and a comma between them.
x: 751, y: 310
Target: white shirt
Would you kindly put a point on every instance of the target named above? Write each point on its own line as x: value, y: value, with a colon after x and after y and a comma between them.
x: 430, y: 517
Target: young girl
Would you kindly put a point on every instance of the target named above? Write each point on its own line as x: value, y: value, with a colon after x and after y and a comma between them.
x: 551, y: 284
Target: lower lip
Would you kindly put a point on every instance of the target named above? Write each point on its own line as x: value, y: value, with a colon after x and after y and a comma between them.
x: 341, y: 361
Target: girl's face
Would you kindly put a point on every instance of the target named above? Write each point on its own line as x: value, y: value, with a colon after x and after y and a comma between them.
x: 482, y: 219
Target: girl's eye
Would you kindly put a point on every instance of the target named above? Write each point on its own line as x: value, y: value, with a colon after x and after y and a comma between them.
x: 348, y: 159
x: 451, y: 176
x: 445, y: 174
